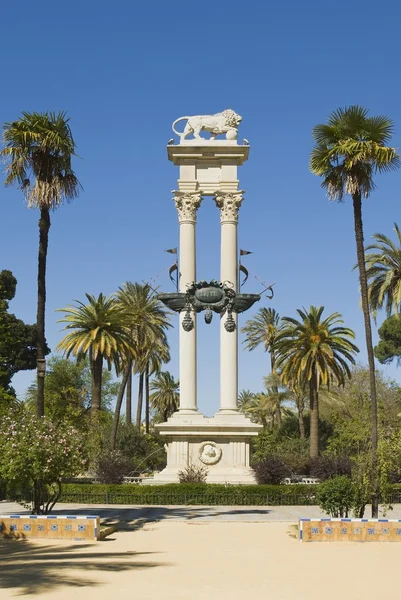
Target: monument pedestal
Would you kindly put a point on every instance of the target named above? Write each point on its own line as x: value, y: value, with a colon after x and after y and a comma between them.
x: 221, y: 444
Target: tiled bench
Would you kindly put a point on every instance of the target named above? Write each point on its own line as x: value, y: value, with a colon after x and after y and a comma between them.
x: 50, y: 526
x: 350, y: 530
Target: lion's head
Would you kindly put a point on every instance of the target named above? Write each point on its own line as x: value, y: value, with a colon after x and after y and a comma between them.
x: 231, y: 118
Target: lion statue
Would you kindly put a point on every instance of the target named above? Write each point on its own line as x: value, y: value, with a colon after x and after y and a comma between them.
x: 221, y: 122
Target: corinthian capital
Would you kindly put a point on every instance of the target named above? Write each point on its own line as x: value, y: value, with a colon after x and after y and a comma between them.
x: 229, y: 203
x: 187, y: 203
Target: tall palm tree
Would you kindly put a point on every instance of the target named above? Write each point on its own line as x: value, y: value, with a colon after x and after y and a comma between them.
x: 165, y: 396
x: 148, y: 321
x: 348, y: 151
x: 38, y: 151
x: 97, y: 329
x: 263, y: 330
x: 383, y: 272
x: 314, y: 351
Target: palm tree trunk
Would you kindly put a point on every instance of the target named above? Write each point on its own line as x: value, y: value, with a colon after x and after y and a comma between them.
x: 358, y: 226
x: 44, y: 226
x: 301, y: 423
x: 128, y: 409
x: 140, y: 402
x: 97, y: 372
x: 119, y: 402
x: 147, y: 407
x: 275, y: 389
x: 314, y: 417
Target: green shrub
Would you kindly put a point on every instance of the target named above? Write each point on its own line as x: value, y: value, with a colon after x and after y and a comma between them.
x: 189, y: 493
x: 336, y: 496
x: 193, y: 474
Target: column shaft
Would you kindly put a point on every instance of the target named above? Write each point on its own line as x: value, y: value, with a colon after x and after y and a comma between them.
x: 188, y: 370
x: 228, y: 340
x: 187, y: 204
x: 229, y: 203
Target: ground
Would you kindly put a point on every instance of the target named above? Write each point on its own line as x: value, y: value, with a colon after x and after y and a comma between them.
x: 198, y: 554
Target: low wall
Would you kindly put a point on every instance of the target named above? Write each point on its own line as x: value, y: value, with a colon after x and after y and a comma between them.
x: 50, y: 527
x: 350, y: 530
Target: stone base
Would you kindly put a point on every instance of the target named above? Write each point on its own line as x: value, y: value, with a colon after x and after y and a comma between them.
x: 226, y: 457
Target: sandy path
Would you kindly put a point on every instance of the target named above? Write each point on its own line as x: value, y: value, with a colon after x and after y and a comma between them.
x: 198, y: 561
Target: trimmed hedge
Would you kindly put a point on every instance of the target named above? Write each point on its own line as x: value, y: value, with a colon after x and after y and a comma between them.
x: 197, y: 494
x: 189, y: 493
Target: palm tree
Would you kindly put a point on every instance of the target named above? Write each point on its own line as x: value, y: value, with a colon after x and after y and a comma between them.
x: 383, y: 272
x: 38, y: 151
x: 165, y: 396
x: 244, y: 398
x: 313, y: 351
x: 349, y: 150
x: 99, y: 330
x: 148, y: 321
x: 263, y: 330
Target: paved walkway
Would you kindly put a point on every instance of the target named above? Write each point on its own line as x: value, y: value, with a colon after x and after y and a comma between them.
x: 199, y: 560
x: 142, y: 514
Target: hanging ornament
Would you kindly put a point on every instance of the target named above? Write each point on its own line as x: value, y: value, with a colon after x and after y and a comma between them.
x: 187, y: 322
x: 208, y: 316
x: 229, y: 325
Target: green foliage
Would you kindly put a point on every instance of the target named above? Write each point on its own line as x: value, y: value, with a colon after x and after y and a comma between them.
x: 293, y: 451
x: 96, y: 329
x: 165, y: 396
x: 383, y: 270
x: 349, y: 149
x: 187, y: 493
x: 17, y: 340
x: 262, y: 329
x: 336, y: 496
x: 68, y: 391
x: 145, y: 450
x: 35, y: 453
x: 40, y: 146
x: 389, y: 346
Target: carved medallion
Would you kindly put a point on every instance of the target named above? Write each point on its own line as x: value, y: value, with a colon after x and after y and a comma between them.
x: 209, y: 453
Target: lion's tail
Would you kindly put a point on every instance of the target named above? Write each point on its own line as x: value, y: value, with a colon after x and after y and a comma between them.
x: 177, y: 121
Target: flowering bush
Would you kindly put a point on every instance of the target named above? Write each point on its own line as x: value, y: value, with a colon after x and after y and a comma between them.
x: 36, y: 453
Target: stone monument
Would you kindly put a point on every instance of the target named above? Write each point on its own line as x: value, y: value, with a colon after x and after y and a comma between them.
x: 208, y: 167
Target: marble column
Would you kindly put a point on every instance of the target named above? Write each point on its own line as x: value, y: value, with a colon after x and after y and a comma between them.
x: 229, y: 204
x: 187, y: 203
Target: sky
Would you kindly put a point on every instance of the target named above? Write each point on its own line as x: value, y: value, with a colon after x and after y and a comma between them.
x: 124, y: 71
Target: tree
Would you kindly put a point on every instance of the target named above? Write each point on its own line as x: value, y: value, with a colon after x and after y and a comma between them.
x: 34, y: 453
x: 17, y: 339
x: 263, y: 330
x: 148, y: 321
x: 383, y: 271
x: 68, y: 391
x: 348, y: 151
x: 38, y: 151
x: 389, y: 346
x: 312, y: 352
x: 100, y: 331
x: 165, y: 396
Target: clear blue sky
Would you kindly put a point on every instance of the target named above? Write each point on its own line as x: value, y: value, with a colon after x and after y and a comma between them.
x: 124, y: 71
